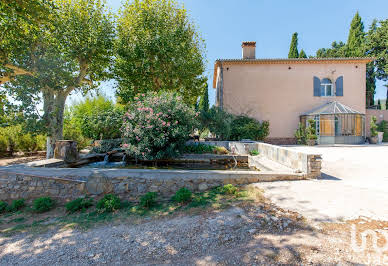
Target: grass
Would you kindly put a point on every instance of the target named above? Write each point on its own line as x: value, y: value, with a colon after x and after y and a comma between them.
x: 27, y: 220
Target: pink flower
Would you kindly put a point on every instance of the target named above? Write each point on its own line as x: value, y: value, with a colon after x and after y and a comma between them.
x: 125, y: 145
x: 168, y: 124
x: 164, y: 123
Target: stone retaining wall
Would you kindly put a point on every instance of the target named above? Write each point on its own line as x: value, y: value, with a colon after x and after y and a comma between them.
x: 308, y: 163
x: 68, y: 184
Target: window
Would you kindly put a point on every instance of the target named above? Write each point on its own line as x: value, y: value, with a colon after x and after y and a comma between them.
x: 326, y: 87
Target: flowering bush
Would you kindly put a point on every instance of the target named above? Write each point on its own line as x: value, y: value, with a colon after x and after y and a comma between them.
x: 157, y: 126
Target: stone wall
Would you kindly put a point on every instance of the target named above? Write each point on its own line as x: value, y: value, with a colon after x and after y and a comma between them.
x: 14, y: 185
x: 307, y: 163
x: 130, y: 184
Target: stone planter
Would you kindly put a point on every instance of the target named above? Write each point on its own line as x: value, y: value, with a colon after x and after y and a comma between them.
x: 380, y: 137
x: 373, y: 140
x: 311, y: 142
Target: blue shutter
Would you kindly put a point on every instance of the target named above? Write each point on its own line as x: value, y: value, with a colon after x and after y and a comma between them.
x: 339, y: 86
x: 317, y: 87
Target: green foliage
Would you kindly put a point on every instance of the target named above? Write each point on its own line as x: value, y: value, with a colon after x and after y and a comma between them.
x: 383, y: 127
x: 158, y: 48
x: 43, y: 204
x: 73, y: 52
x: 204, y: 101
x: 337, y: 50
x: 13, y: 138
x: 378, y: 104
x: 199, y: 148
x: 157, y: 126
x: 183, y: 195
x: 302, y: 54
x: 109, y: 203
x: 355, y: 46
x: 310, y: 130
x: 148, y: 200
x: 80, y: 204
x: 373, y: 126
x: 293, y: 53
x: 220, y: 150
x: 16, y: 205
x: 229, y: 189
x: 107, y: 145
x: 254, y: 152
x: 300, y: 134
x: 220, y: 123
x: 93, y: 118
x: 244, y: 127
x: 378, y: 47
x: 3, y: 206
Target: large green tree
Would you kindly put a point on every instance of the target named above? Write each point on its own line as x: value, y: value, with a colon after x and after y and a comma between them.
x: 158, y: 48
x: 356, y: 46
x: 377, y: 43
x: 293, y: 52
x: 72, y: 52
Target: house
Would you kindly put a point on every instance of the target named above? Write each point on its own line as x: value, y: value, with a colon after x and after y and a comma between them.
x: 285, y: 92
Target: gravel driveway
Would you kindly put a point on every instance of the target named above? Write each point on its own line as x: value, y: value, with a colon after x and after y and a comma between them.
x: 354, y: 183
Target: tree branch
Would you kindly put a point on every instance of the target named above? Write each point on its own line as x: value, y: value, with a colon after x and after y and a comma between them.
x: 8, y: 76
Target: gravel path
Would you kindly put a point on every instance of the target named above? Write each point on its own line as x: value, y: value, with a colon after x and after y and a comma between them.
x: 246, y: 235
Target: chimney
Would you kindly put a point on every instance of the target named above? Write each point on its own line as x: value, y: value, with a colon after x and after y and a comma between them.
x: 248, y: 50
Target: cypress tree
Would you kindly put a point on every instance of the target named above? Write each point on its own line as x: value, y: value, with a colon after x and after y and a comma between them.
x: 355, y: 47
x: 293, y: 53
x: 378, y: 104
x: 302, y: 54
x: 204, y: 101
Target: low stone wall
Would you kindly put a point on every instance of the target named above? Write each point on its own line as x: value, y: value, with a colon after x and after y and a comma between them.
x: 304, y: 162
x: 15, y: 185
x: 67, y: 184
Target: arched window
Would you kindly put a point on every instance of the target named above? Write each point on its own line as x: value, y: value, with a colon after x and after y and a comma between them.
x: 326, y: 87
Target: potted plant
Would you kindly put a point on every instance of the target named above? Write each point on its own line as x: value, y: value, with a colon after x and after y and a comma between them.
x: 300, y: 135
x: 373, y: 131
x: 311, y: 135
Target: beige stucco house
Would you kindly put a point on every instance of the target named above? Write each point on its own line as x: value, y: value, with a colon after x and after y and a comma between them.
x: 287, y: 91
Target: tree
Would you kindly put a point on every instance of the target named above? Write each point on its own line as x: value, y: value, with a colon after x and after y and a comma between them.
x: 204, y: 101
x: 71, y: 53
x: 355, y: 46
x: 293, y: 53
x: 158, y: 48
x: 378, y: 47
x: 378, y: 104
x: 21, y: 23
x: 337, y: 50
x: 302, y: 54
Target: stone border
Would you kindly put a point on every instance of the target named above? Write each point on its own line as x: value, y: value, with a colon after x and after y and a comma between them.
x: 67, y: 184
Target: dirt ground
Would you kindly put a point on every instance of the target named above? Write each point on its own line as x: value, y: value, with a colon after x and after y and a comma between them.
x: 245, y: 234
x: 5, y: 161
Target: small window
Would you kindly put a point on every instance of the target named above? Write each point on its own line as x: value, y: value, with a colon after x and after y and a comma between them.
x: 326, y: 87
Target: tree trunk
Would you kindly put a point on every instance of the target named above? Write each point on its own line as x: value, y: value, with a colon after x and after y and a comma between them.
x: 54, y: 107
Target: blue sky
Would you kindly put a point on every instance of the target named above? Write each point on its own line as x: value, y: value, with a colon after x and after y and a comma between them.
x: 224, y: 24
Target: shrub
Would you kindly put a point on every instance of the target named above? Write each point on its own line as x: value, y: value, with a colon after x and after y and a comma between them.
x: 220, y: 150
x: 229, y: 189
x: 148, y: 200
x: 199, y: 148
x: 157, y: 126
x: 80, y: 204
x: 3, y: 206
x: 254, y: 152
x: 244, y: 127
x: 220, y: 123
x: 310, y: 130
x: 109, y: 203
x: 182, y: 195
x: 300, y: 134
x: 43, y: 204
x: 231, y: 127
x: 16, y: 205
x: 373, y: 127
x: 107, y: 145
